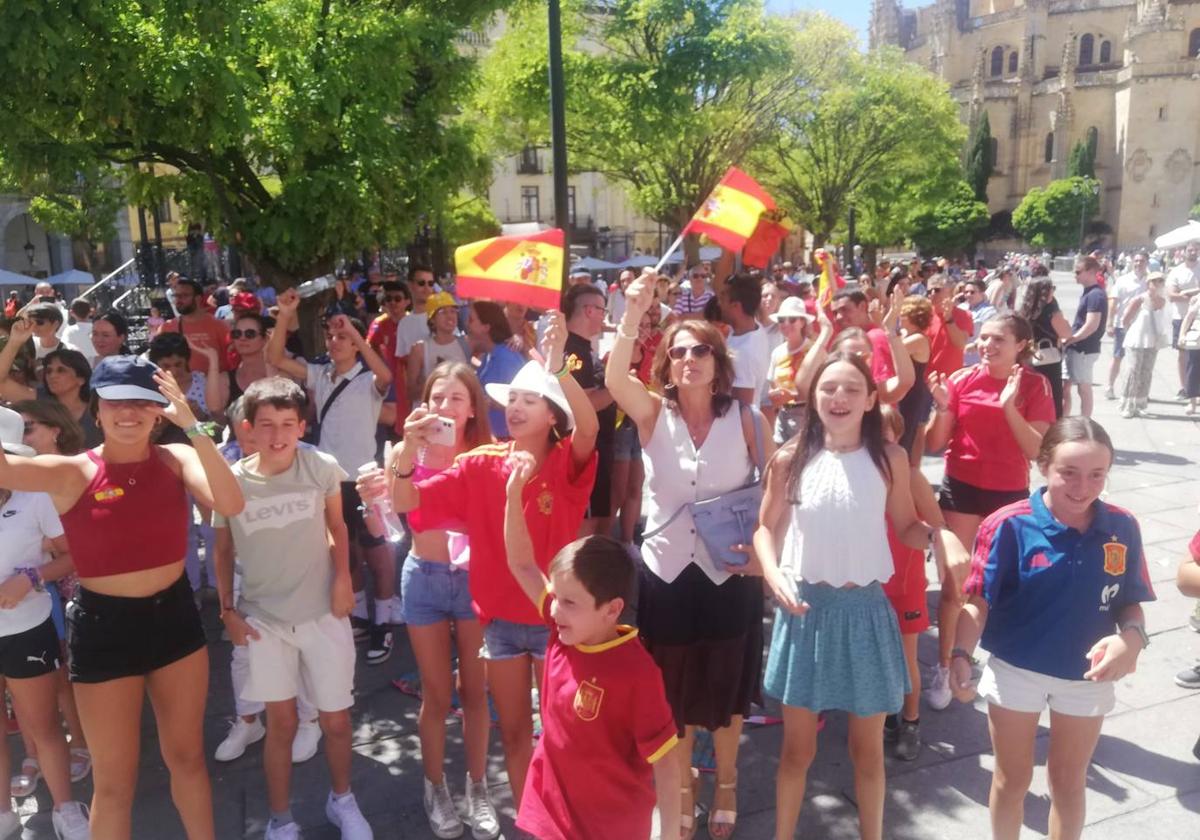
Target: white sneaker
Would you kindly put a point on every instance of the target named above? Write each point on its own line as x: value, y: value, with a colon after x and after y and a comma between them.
x: 395, y: 609
x: 10, y: 824
x: 304, y: 745
x: 345, y: 815
x: 241, y: 735
x: 938, y: 694
x: 291, y: 831
x: 439, y: 808
x: 481, y: 814
x: 70, y: 821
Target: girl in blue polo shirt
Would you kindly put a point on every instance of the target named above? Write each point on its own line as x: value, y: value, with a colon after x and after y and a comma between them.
x: 1055, y: 591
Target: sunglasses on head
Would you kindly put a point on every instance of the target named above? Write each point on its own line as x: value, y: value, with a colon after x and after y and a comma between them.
x: 250, y: 333
x: 697, y: 351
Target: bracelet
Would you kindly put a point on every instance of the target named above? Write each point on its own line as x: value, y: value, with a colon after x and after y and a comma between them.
x: 35, y: 577
x: 396, y: 471
x: 196, y: 430
x: 622, y: 334
x: 563, y: 372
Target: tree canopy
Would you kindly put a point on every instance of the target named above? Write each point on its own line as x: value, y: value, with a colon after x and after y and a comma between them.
x: 952, y: 224
x: 1053, y: 216
x: 980, y: 162
x: 299, y: 129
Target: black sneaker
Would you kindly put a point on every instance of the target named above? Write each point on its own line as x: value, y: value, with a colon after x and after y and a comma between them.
x: 908, y: 741
x: 361, y: 628
x: 380, y: 648
x: 891, y: 729
x: 1189, y: 677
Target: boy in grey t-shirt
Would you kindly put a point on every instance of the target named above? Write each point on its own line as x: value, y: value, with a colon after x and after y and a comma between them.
x: 292, y: 548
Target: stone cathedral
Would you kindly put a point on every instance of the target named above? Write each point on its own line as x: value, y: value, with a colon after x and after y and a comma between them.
x: 1050, y: 73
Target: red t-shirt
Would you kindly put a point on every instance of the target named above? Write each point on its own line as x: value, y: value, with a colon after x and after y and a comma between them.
x: 982, y: 450
x: 1194, y: 547
x: 883, y: 366
x: 470, y: 495
x: 214, y: 329
x: 605, y: 722
x: 944, y: 356
x: 381, y: 336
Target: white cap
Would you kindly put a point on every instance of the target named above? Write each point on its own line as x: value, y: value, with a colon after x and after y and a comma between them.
x: 533, y: 377
x: 792, y: 307
x: 12, y: 432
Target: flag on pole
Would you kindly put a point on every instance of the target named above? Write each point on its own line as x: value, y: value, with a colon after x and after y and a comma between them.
x: 730, y: 213
x: 519, y: 269
x: 831, y: 281
x: 773, y: 228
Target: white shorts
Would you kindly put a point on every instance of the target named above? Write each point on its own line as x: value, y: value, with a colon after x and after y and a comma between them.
x: 315, y: 658
x: 1020, y: 690
x: 1078, y: 367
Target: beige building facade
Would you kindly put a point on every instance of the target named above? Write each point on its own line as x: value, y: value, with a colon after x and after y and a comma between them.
x: 1049, y: 73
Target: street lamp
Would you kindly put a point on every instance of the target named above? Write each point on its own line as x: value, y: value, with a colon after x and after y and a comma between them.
x: 28, y: 247
x: 1082, y: 189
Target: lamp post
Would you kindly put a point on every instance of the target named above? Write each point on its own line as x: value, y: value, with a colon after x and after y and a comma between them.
x: 1082, y: 189
x: 28, y: 247
x: 558, y: 131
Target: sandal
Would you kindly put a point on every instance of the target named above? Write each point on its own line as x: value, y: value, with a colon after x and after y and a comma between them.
x: 81, y: 764
x: 687, y: 821
x: 26, y: 782
x: 722, y: 823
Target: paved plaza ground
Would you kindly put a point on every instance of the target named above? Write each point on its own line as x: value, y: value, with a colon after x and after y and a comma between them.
x: 1144, y: 782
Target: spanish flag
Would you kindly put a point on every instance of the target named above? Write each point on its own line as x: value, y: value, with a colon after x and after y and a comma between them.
x: 730, y: 214
x: 773, y: 228
x: 519, y: 269
x: 831, y: 281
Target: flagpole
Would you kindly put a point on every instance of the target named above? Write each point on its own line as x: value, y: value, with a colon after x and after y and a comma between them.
x: 674, y: 247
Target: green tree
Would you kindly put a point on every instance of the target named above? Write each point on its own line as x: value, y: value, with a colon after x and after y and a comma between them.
x: 301, y: 129
x: 470, y: 220
x: 980, y: 163
x: 1195, y: 213
x: 1052, y: 217
x: 878, y: 132
x: 952, y: 224
x: 662, y: 96
x: 1083, y: 162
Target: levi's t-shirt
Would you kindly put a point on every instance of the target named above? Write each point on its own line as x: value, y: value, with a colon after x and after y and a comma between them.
x: 982, y: 450
x: 605, y: 722
x: 280, y: 538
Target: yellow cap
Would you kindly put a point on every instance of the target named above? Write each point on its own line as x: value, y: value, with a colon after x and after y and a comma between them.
x: 437, y: 302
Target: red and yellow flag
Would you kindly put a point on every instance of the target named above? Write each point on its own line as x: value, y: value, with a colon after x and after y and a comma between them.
x: 773, y: 228
x: 730, y: 214
x: 521, y: 269
x: 831, y: 281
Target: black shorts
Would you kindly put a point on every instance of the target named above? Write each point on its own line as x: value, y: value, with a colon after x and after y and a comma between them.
x: 960, y: 497
x: 109, y: 637
x: 352, y: 515
x: 30, y: 653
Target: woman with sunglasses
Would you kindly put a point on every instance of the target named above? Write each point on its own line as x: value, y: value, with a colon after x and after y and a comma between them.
x: 65, y: 374
x: 793, y: 320
x: 133, y: 628
x: 700, y: 620
x: 249, y: 337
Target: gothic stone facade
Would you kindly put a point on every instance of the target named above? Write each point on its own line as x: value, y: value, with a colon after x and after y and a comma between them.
x: 1050, y: 72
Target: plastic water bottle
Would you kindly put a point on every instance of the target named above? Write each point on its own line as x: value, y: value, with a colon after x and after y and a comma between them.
x: 381, y: 506
x: 315, y: 287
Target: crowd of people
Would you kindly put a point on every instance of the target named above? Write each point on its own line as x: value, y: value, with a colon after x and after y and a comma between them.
x: 601, y: 502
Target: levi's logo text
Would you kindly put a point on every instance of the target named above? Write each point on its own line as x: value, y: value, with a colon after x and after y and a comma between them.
x: 588, y: 698
x: 1114, y: 558
x: 109, y: 494
x: 277, y: 511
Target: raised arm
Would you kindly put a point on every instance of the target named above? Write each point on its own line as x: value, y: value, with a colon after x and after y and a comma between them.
x: 288, y: 304
x: 379, y: 368
x: 629, y: 393
x: 937, y: 433
x: 517, y: 543
x: 893, y: 389
x: 587, y: 424
x: 815, y: 357
x: 214, y: 394
x: 10, y: 390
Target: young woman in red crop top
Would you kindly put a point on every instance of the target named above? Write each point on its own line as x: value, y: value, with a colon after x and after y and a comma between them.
x: 133, y: 626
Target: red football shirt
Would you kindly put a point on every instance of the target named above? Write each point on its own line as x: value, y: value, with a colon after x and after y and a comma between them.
x: 215, y: 331
x: 470, y: 496
x: 883, y: 367
x: 605, y: 722
x: 944, y: 356
x: 982, y: 450
x: 381, y: 335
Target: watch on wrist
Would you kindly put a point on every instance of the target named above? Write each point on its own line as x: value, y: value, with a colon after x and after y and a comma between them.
x: 1140, y: 629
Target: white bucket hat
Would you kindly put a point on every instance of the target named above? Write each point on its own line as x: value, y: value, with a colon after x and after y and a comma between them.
x: 12, y: 432
x: 534, y: 377
x: 792, y: 307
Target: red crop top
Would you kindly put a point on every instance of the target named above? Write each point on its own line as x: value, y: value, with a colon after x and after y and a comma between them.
x: 131, y: 517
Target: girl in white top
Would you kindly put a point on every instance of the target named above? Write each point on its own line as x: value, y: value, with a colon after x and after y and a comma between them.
x: 822, y: 542
x: 1147, y: 324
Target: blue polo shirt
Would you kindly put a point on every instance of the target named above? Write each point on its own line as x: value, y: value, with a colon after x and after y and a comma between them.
x: 1053, y: 592
x: 500, y: 366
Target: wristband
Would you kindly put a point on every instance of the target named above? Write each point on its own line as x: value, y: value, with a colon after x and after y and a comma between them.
x: 196, y: 430
x: 622, y: 334
x: 563, y: 372
x: 35, y: 577
x: 1140, y: 629
x: 396, y: 471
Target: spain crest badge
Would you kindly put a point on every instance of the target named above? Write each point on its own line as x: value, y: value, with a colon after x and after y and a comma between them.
x: 1114, y: 558
x: 588, y: 698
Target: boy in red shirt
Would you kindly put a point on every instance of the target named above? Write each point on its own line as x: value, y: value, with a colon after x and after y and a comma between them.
x: 605, y: 718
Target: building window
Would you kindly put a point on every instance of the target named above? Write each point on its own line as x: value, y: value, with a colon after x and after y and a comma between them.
x: 1162, y: 113
x: 997, y: 61
x: 528, y: 162
x: 1012, y: 62
x: 1087, y: 49
x: 1049, y: 154
x: 995, y: 153
x: 1105, y: 52
x: 1194, y: 43
x: 164, y: 210
x: 1093, y: 140
x: 1153, y: 231
x: 571, y: 206
x: 1154, y: 200
x: 530, y: 209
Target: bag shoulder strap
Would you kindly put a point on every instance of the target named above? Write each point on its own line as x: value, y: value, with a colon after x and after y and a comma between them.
x: 335, y: 393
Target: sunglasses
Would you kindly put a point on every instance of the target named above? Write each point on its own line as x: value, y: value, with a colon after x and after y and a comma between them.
x: 428, y: 283
x: 697, y: 351
x: 395, y: 298
x: 790, y: 319
x: 235, y: 334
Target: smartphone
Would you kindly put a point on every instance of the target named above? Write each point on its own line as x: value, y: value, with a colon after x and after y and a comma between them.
x: 443, y: 432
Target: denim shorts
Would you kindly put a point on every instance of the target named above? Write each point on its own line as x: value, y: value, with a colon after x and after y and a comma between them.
x: 431, y: 592
x: 626, y: 445
x: 508, y: 640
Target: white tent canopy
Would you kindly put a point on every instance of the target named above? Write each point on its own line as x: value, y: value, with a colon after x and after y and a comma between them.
x: 1180, y: 236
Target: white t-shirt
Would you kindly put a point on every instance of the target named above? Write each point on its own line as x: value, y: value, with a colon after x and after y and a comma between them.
x: 751, y: 361
x: 1127, y: 287
x: 412, y: 328
x: 25, y: 520
x: 348, y: 433
x: 1182, y: 279
x: 78, y: 336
